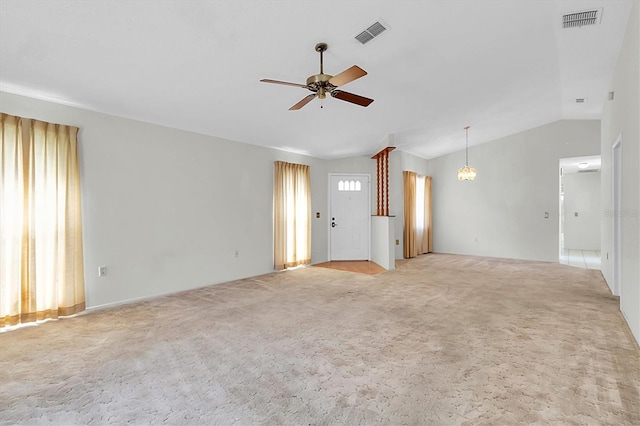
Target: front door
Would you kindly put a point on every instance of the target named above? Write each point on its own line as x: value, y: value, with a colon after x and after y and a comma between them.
x: 350, y: 217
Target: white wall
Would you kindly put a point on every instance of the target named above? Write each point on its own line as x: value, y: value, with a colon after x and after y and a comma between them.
x: 621, y: 117
x: 502, y: 212
x: 166, y: 209
x: 382, y: 250
x: 582, y: 196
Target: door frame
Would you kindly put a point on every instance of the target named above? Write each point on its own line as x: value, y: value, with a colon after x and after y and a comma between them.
x: 329, y: 176
x: 616, y: 222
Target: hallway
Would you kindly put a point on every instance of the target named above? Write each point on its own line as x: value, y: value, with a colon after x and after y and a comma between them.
x: 585, y: 259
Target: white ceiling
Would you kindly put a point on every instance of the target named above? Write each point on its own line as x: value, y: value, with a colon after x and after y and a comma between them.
x: 499, y: 66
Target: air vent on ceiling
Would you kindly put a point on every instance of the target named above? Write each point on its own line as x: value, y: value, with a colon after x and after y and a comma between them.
x: 582, y: 18
x: 373, y: 31
x: 364, y: 37
x: 581, y: 100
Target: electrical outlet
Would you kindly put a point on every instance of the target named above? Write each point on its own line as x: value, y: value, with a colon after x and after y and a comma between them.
x: 397, y: 242
x: 102, y: 271
x: 237, y: 253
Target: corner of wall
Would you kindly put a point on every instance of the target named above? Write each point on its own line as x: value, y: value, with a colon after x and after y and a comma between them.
x: 620, y: 122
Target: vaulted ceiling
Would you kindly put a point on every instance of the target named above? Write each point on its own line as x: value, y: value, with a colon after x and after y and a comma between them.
x: 499, y: 66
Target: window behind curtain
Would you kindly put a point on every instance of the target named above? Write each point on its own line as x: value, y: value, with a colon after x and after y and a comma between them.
x: 41, y: 262
x: 420, y: 205
x: 292, y: 215
x: 417, y: 214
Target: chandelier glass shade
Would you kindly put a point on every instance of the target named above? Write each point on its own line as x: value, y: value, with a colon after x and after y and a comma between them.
x: 466, y: 172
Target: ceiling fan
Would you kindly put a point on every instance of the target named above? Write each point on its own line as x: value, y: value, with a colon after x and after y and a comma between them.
x: 321, y: 84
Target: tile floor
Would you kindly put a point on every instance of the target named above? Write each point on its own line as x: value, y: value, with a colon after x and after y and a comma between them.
x: 360, y: 266
x: 586, y: 259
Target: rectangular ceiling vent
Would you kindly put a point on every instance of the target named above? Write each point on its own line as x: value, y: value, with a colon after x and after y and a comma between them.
x: 582, y: 18
x: 373, y: 31
x: 581, y: 100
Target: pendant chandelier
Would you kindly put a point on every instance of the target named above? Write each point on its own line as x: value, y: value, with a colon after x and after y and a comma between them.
x: 466, y: 172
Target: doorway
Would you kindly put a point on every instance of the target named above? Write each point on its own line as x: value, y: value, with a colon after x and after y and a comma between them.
x: 580, y: 209
x: 350, y: 216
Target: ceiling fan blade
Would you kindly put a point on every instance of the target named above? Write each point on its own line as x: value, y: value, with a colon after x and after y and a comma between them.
x: 350, y: 97
x: 284, y: 83
x: 348, y: 76
x: 303, y: 102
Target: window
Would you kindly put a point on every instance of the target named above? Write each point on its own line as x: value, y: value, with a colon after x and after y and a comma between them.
x: 349, y: 185
x: 292, y: 215
x: 41, y: 262
x: 417, y: 214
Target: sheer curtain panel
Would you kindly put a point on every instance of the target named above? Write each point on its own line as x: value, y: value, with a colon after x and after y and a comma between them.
x: 427, y: 235
x: 41, y: 262
x: 417, y: 214
x: 292, y: 215
x: 410, y: 233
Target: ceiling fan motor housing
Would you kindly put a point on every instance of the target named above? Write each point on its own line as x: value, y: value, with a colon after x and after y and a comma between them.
x: 319, y: 83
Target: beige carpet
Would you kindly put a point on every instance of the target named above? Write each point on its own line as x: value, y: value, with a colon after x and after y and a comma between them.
x: 442, y: 340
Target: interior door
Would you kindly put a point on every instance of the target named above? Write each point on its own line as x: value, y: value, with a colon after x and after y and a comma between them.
x: 350, y: 217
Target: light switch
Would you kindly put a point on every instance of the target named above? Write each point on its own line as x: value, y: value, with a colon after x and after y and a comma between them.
x: 576, y: 214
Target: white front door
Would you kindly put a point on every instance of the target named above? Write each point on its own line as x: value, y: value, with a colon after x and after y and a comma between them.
x: 350, y: 217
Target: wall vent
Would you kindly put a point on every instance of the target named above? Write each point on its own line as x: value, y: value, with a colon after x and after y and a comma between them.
x: 373, y: 31
x: 582, y: 18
